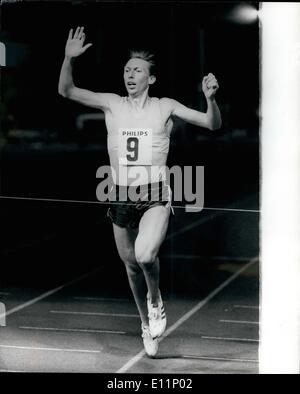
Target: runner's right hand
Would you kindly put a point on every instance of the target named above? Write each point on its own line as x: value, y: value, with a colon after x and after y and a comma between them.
x: 74, y: 45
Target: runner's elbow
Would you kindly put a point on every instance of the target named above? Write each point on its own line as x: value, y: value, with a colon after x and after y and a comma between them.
x: 61, y: 92
x: 215, y: 125
x: 65, y: 91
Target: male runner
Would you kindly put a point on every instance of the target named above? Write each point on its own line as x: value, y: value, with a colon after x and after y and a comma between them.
x: 139, y: 128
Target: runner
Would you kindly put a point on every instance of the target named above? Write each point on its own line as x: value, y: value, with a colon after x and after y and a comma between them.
x: 139, y: 128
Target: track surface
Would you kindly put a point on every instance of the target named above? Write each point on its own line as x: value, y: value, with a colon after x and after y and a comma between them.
x: 68, y: 317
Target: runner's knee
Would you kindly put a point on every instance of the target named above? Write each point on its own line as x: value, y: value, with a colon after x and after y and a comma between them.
x: 128, y: 258
x: 145, y: 256
x: 132, y: 268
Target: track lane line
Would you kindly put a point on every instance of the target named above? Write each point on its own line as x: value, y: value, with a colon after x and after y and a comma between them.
x: 94, y: 314
x: 46, y: 294
x: 71, y: 330
x: 239, y: 321
x: 230, y: 339
x: 52, y: 349
x: 240, y: 360
x: 82, y: 298
x: 187, y: 315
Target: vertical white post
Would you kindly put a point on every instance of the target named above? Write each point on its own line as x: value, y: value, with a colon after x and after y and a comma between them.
x: 280, y: 227
x: 2, y: 315
x: 2, y: 55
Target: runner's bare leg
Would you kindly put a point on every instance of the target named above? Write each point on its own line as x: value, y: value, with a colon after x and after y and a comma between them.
x: 152, y: 231
x: 125, y: 240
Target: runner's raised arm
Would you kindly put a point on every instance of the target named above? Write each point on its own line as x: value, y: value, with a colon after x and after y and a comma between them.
x: 66, y: 87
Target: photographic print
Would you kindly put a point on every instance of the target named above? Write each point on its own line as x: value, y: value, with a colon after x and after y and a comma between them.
x: 130, y: 188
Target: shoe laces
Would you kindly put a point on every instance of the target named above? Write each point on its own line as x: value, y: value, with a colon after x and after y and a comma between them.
x: 145, y: 332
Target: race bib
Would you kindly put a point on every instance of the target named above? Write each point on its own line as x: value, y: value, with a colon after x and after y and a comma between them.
x: 135, y: 147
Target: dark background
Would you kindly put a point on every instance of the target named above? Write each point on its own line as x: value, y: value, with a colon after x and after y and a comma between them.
x: 43, y: 154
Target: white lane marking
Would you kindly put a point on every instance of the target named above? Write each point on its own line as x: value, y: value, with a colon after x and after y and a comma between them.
x: 4, y: 293
x: 239, y: 321
x: 187, y: 315
x: 102, y: 299
x: 46, y: 294
x: 94, y: 313
x: 240, y: 360
x: 71, y: 330
x: 247, y: 306
x: 230, y: 339
x: 52, y: 349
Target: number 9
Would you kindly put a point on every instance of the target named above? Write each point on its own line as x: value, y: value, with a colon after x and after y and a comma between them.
x: 133, y: 148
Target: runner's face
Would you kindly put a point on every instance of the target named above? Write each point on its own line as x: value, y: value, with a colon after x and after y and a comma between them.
x: 136, y: 76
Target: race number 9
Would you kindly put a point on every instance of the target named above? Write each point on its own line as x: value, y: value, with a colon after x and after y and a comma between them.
x: 135, y: 147
x: 132, y: 148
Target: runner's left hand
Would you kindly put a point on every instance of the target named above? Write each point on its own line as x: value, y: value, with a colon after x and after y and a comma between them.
x: 210, y: 86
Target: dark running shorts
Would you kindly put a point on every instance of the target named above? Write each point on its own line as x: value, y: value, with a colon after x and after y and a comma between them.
x: 128, y: 213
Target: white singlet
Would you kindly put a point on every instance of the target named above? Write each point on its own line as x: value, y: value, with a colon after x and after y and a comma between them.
x: 138, y: 141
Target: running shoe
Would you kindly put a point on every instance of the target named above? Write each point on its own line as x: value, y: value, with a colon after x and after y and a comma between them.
x: 150, y: 344
x: 157, y: 317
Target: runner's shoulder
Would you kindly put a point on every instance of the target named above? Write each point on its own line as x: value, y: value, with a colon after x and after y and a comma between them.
x: 113, y: 100
x: 167, y: 104
x: 113, y: 97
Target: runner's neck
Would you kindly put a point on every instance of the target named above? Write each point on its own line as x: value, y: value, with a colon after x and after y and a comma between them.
x: 140, y: 101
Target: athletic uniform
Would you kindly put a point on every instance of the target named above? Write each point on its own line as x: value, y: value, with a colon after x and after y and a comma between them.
x: 138, y: 144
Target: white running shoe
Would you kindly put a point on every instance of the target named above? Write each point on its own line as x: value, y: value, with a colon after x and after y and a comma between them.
x: 150, y: 344
x: 157, y: 317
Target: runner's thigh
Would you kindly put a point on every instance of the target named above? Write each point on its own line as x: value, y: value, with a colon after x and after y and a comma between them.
x: 152, y: 231
x: 125, y: 239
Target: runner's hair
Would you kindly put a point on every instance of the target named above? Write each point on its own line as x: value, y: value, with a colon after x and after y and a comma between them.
x: 144, y: 55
